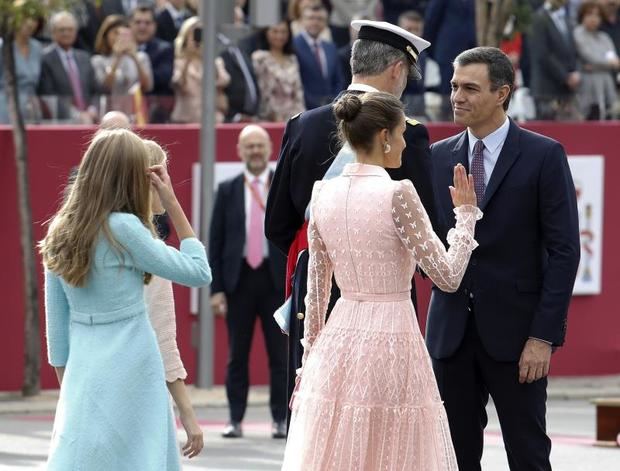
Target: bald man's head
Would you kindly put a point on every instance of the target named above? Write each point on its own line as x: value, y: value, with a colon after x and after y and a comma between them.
x: 115, y: 120
x: 254, y: 148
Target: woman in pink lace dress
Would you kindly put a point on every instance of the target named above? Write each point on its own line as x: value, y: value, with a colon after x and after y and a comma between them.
x: 367, y: 399
x: 159, y: 300
x: 277, y: 74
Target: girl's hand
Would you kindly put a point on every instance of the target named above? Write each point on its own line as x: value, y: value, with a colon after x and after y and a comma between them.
x: 195, y: 441
x: 160, y: 180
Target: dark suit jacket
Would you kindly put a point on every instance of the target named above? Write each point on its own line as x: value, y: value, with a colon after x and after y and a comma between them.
x: 308, y: 147
x: 450, y: 26
x: 520, y: 278
x: 54, y: 79
x: 166, y: 29
x: 553, y: 57
x: 238, y: 88
x: 161, y: 55
x: 227, y: 239
x: 318, y: 90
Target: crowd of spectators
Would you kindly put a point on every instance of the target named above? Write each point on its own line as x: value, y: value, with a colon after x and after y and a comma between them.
x: 144, y: 58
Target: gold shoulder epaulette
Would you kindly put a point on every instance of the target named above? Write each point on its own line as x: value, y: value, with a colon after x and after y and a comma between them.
x: 412, y: 121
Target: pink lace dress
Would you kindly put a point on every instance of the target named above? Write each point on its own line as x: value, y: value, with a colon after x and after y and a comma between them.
x: 367, y: 399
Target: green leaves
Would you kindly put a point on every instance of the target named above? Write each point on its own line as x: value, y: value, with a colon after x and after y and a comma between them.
x: 13, y: 13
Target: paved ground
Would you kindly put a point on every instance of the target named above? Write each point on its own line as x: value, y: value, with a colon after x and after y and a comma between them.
x: 24, y: 440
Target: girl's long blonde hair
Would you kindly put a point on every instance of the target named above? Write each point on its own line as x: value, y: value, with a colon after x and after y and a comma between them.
x: 112, y: 177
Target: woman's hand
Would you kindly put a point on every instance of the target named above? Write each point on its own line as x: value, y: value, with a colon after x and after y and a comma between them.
x: 160, y: 180
x: 463, y: 190
x: 119, y: 47
x: 195, y: 441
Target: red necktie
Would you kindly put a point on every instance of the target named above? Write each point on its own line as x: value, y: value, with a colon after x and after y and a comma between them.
x: 76, y: 86
x: 317, y: 55
x: 255, y: 234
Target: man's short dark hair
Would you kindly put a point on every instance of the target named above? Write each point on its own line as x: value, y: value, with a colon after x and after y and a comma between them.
x: 143, y: 8
x: 501, y: 71
x: 410, y: 15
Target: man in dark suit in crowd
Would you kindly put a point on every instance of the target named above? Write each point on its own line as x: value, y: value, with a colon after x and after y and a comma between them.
x: 319, y: 64
x: 495, y: 335
x: 242, y: 91
x: 67, y: 82
x: 170, y: 18
x: 91, y: 13
x: 413, y: 96
x: 248, y: 276
x: 383, y: 57
x: 554, y: 74
x: 450, y: 25
x: 161, y: 54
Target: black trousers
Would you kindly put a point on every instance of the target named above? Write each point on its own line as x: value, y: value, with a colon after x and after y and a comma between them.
x: 255, y: 296
x: 465, y: 382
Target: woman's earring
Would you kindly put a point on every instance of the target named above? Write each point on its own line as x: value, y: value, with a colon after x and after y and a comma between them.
x: 386, y: 148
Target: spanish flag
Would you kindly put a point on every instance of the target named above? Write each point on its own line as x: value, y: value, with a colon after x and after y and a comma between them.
x: 139, y: 106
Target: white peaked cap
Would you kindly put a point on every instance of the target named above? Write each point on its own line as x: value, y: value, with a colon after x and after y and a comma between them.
x: 392, y: 35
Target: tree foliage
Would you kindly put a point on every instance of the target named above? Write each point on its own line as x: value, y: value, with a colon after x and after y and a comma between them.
x: 500, y: 19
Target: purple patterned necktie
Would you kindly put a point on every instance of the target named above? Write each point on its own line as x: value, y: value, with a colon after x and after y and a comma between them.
x: 477, y: 170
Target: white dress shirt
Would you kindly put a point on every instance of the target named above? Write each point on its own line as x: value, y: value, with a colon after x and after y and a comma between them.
x: 493, y: 145
x: 311, y: 42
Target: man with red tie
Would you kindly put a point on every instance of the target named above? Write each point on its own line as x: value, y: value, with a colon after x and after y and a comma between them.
x: 319, y: 64
x: 248, y: 276
x: 67, y: 82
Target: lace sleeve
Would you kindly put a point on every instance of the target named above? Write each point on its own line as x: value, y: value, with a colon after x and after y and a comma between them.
x: 320, y: 272
x: 159, y: 299
x: 445, y: 268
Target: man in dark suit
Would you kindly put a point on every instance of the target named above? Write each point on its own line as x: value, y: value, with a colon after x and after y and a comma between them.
x: 450, y: 25
x: 495, y: 335
x: 319, y: 63
x: 161, y: 55
x: 170, y: 18
x: 242, y: 91
x: 248, y: 276
x: 91, y: 13
x: 383, y: 57
x: 67, y: 82
x: 554, y: 75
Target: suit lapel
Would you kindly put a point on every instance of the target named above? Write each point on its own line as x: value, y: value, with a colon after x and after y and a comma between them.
x: 560, y: 37
x: 58, y: 65
x: 460, y: 151
x: 507, y: 157
x: 239, y: 192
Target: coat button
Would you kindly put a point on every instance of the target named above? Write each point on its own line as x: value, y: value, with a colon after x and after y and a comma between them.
x: 474, y: 262
x: 466, y: 291
x: 300, y: 316
x: 471, y: 295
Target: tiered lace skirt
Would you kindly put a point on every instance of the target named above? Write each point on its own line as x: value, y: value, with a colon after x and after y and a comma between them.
x: 368, y: 400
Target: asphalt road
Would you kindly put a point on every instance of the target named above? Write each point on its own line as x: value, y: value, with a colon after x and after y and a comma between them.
x: 24, y: 441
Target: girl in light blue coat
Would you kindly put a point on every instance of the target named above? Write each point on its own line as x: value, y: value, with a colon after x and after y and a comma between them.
x: 100, y: 250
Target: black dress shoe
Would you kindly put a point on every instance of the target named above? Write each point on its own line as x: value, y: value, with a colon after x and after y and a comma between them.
x: 233, y: 430
x: 278, y: 429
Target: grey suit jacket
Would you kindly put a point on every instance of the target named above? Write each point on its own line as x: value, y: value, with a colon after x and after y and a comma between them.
x: 54, y: 80
x: 554, y: 56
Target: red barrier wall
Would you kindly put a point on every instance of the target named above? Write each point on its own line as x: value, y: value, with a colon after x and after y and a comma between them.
x: 593, y: 343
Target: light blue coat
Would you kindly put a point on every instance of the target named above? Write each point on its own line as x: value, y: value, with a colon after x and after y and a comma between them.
x: 114, y: 410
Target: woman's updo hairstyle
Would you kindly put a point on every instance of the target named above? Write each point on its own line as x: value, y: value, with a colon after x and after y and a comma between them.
x: 361, y: 117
